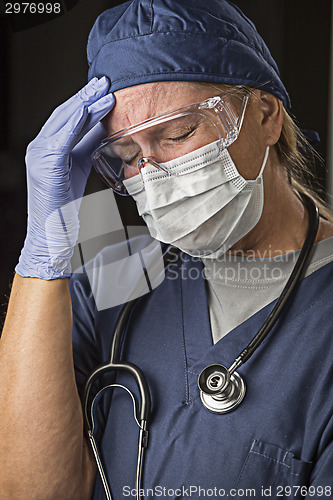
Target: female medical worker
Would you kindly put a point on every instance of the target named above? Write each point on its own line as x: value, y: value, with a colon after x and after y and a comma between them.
x: 221, y: 201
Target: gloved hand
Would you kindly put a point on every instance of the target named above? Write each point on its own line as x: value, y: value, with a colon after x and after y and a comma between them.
x: 58, y: 164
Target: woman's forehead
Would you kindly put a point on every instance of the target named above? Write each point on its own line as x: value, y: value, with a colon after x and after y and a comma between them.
x: 135, y: 104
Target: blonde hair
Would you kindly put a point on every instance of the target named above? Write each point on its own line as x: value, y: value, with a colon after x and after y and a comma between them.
x: 298, y: 159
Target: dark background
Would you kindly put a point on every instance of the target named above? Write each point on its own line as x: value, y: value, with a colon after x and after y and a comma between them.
x: 43, y: 62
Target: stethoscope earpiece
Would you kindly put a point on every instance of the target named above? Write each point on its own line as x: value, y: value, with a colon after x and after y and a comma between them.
x: 220, y: 392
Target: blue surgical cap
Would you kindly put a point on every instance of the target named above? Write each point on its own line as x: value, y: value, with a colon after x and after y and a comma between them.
x: 143, y: 41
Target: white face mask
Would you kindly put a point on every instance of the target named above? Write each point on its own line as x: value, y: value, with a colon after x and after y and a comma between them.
x: 204, y: 207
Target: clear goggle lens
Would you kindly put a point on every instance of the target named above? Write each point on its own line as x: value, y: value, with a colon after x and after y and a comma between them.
x: 171, y: 135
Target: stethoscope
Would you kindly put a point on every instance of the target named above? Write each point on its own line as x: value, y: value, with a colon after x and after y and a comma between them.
x: 221, y: 389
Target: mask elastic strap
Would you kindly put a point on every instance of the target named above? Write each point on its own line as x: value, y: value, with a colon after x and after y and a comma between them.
x: 264, y: 162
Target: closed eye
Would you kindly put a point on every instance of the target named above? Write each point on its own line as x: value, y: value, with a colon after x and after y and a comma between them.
x: 183, y: 136
x: 132, y: 160
x: 129, y: 156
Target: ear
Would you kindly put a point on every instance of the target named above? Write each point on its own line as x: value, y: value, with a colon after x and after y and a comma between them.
x: 271, y: 117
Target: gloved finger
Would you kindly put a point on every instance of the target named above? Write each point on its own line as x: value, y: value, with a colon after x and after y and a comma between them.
x: 92, y: 92
x: 43, y: 158
x: 96, y: 112
x: 79, y: 124
x: 80, y: 159
x: 66, y: 138
x: 82, y: 151
x: 59, y: 144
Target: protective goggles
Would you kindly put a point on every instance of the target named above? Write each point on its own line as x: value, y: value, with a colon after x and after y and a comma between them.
x: 168, y: 136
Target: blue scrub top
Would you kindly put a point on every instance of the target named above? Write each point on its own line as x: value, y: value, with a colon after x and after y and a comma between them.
x: 278, y: 443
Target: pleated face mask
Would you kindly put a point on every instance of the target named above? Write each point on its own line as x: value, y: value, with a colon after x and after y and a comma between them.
x: 204, y: 207
x: 178, y: 170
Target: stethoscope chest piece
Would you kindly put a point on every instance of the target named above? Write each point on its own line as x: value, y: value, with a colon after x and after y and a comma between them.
x: 220, y: 392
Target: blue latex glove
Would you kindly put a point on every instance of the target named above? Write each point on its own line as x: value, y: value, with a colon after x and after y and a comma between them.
x: 58, y: 164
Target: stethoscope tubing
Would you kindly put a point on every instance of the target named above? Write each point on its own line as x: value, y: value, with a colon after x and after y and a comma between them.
x: 296, y: 275
x: 115, y: 365
x: 138, y: 376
